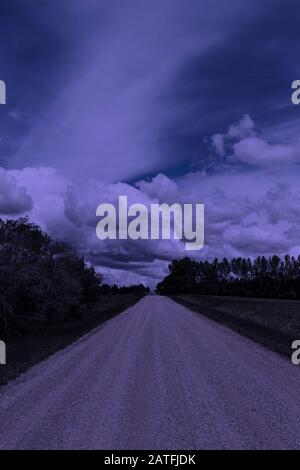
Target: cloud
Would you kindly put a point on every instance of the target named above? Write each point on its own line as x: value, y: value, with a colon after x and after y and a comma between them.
x: 246, y: 214
x: 160, y: 188
x: 250, y: 210
x: 218, y: 142
x: 113, y: 92
x: 241, y: 143
x: 242, y: 129
x: 263, y: 239
x: 245, y: 128
x: 14, y: 199
x: 149, y: 274
x: 101, y: 95
x: 79, y: 213
x: 104, y: 112
x: 258, y: 152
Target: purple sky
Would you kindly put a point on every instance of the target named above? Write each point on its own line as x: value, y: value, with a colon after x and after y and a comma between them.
x: 162, y: 101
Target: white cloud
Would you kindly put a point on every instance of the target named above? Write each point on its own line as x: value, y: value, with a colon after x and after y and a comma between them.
x: 14, y: 199
x: 160, y: 187
x: 241, y: 143
x: 256, y: 151
x: 242, y: 129
x: 218, y: 142
x: 246, y: 214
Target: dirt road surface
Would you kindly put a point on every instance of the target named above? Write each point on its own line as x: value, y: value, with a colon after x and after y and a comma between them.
x: 158, y: 376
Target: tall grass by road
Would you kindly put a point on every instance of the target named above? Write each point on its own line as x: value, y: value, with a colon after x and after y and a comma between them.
x: 272, y: 323
x: 30, y: 344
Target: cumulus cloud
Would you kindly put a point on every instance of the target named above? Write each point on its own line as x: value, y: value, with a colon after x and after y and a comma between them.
x: 241, y: 143
x: 160, y: 187
x: 246, y: 214
x: 242, y: 129
x: 262, y: 238
x: 78, y: 212
x: 76, y: 221
x: 14, y: 199
x: 218, y: 143
x: 258, y: 152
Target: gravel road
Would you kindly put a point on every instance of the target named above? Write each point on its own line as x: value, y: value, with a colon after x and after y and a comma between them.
x: 158, y: 376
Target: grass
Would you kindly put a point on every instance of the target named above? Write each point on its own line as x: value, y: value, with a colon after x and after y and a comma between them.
x: 30, y: 345
x: 272, y: 323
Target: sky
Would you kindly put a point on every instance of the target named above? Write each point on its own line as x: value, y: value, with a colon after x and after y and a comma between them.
x: 162, y: 101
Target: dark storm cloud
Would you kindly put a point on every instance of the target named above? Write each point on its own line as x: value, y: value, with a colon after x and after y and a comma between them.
x: 31, y: 53
x: 14, y: 199
x: 39, y: 52
x: 93, y: 74
x: 129, y: 255
x: 251, y: 71
x: 158, y: 95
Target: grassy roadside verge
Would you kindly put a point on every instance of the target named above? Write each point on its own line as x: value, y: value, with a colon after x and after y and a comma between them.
x: 272, y: 323
x: 30, y: 345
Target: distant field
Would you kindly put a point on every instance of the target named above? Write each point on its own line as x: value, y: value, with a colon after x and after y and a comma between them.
x: 272, y: 323
x: 30, y: 344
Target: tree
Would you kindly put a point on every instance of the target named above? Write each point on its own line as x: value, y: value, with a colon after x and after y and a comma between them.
x: 262, y: 277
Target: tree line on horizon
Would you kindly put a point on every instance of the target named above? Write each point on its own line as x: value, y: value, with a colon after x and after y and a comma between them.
x: 265, y: 277
x: 45, y: 281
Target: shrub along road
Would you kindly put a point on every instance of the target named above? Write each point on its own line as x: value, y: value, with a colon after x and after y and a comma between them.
x: 30, y: 343
x: 156, y: 376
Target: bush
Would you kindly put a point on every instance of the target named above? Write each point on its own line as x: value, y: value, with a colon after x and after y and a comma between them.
x: 41, y: 280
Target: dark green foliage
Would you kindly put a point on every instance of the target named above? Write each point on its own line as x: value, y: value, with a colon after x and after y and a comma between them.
x: 33, y: 343
x: 43, y: 280
x: 139, y: 289
x: 264, y: 277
